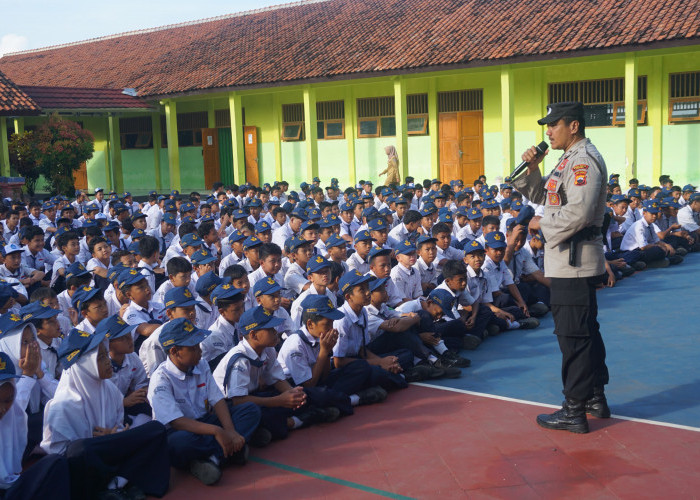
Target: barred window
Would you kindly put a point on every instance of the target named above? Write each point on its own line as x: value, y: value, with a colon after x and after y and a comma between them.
x: 293, y: 122
x: 375, y: 117
x: 136, y: 132
x: 461, y: 100
x: 603, y: 100
x: 417, y: 111
x: 330, y: 119
x: 684, y: 97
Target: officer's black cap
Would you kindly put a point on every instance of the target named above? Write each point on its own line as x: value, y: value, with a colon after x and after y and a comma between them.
x: 557, y: 111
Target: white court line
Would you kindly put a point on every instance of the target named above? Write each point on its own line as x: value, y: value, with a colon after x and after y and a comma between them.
x: 545, y: 405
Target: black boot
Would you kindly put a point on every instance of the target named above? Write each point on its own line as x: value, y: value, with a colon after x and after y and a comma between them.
x: 571, y: 417
x: 598, y: 404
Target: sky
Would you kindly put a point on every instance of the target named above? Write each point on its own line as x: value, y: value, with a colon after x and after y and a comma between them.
x: 40, y: 23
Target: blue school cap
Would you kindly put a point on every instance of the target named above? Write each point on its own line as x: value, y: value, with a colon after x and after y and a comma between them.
x: 190, y: 240
x: 444, y: 299
x: 291, y: 244
x: 129, y: 277
x: 254, y: 203
x: 369, y: 212
x: 346, y: 207
x: 261, y: 226
x: 207, y: 218
x: 495, y: 239
x: 385, y: 211
x: 82, y: 295
x: 38, y: 310
x: 76, y: 344
x: 299, y: 214
x: 322, y: 306
x: 162, y: 197
x: 474, y: 246
x: 405, y: 247
x: 378, y: 224
x: 179, y: 297
x: 266, y: 286
x: 428, y: 209
x: 351, y: 279
x: 651, y: 206
x: 309, y: 224
x: 446, y: 217
x: 688, y: 188
x: 138, y: 215
x: 439, y: 194
x: 376, y: 283
x: 202, y: 256
x: 335, y: 241
x: 316, y: 264
x: 239, y: 214
x: 48, y: 205
x: 329, y: 220
x: 435, y: 181
x: 400, y: 200
x: 525, y: 215
x: 12, y: 248
x: 224, y: 291
x: 634, y: 192
x: 208, y: 282
x: 474, y: 213
x: 134, y: 248
x: 188, y: 218
x: 236, y: 236
x: 617, y: 198
x: 181, y: 332
x: 251, y: 242
x: 258, y: 319
x: 462, y: 212
x: 138, y: 233
x: 425, y: 239
x: 293, y: 196
x: 9, y: 321
x: 313, y: 214
x: 516, y: 205
x: 114, y: 327
x: 174, y: 192
x: 490, y: 203
x: 694, y: 197
x: 505, y: 203
x: 169, y: 206
x: 111, y: 226
x: 7, y: 368
x: 363, y: 236
x: 169, y: 218
x: 377, y: 251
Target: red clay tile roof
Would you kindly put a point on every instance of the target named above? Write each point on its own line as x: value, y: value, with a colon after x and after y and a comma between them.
x: 341, y: 38
x: 13, y: 101
x: 50, y: 98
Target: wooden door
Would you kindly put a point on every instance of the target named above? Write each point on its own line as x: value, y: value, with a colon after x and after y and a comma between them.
x: 461, y: 142
x: 250, y: 148
x: 210, y: 152
x: 471, y: 145
x: 80, y: 177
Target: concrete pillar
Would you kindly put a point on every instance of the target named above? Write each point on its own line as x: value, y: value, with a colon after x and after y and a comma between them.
x: 277, y: 122
x: 235, y: 108
x: 157, y: 145
x: 4, y: 149
x: 19, y: 125
x: 630, y: 115
x: 401, y: 125
x: 173, y: 144
x: 115, y: 153
x: 311, y: 133
x: 350, y: 132
x: 507, y: 119
x: 657, y: 110
x: 433, y: 129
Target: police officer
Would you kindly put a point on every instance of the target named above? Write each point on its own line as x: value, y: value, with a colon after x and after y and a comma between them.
x: 574, y: 196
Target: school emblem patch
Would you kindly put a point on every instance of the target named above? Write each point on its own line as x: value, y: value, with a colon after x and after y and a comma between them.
x: 552, y: 184
x: 580, y: 177
x: 554, y: 199
x: 563, y: 164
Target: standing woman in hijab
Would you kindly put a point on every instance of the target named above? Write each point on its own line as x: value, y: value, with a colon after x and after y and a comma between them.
x: 84, y: 422
x: 47, y: 478
x: 392, y: 168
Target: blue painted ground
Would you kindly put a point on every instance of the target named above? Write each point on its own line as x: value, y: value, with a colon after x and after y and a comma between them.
x: 651, y: 326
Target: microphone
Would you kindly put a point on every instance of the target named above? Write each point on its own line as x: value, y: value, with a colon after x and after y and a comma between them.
x: 541, y: 149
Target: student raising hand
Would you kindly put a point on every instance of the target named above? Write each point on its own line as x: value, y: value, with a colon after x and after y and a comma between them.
x: 30, y: 364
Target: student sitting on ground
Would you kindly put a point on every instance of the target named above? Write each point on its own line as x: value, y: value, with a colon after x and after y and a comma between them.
x: 142, y: 311
x: 267, y: 293
x: 424, y: 266
x: 230, y: 301
x: 91, y: 305
x: 642, y: 236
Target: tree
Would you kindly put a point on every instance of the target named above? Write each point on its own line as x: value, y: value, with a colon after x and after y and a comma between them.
x: 55, y: 150
x: 22, y: 149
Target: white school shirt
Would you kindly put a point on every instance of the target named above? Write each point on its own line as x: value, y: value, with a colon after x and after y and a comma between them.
x: 376, y: 317
x: 498, y: 275
x: 228, y: 261
x: 427, y: 273
x: 296, y: 310
x: 151, y: 352
x: 41, y: 261
x: 173, y: 394
x: 13, y: 435
x: 521, y: 264
x: 349, y: 229
x: 295, y: 279
x: 245, y: 378
x: 478, y: 286
x: 148, y: 271
x: 451, y: 253
x: 85, y: 326
x: 321, y: 248
x: 174, y: 250
x: 137, y: 315
x: 165, y: 287
x: 94, y: 263
x: 130, y: 376
x: 259, y: 274
x: 355, y: 262
x: 223, y: 337
x: 163, y: 240
x: 399, y: 233
x: 463, y: 298
x: 22, y: 272
x: 206, y: 314
x: 282, y: 234
x: 407, y: 282
x: 60, y: 263
x: 640, y: 234
x: 351, y: 332
x: 689, y: 220
x: 538, y: 259
x: 298, y: 356
x: 49, y: 357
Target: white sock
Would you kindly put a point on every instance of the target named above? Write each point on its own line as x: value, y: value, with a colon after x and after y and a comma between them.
x: 432, y: 358
x: 297, y: 423
x: 513, y: 326
x: 214, y: 459
x: 441, y: 347
x: 354, y: 399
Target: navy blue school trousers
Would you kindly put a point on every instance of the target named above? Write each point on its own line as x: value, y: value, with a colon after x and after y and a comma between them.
x: 139, y: 455
x: 185, y: 446
x: 47, y: 478
x: 533, y: 292
x: 453, y: 331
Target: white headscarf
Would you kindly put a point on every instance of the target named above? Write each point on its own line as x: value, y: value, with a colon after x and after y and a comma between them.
x: 13, y: 436
x: 11, y: 344
x: 82, y: 402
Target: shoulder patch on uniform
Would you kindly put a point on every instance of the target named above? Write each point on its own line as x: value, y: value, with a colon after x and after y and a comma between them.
x: 580, y: 166
x: 580, y: 177
x: 554, y: 200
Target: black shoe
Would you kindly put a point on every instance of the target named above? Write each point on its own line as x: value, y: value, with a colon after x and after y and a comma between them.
x: 471, y: 342
x: 627, y: 271
x: 492, y: 330
x: 598, y: 405
x: 331, y: 414
x: 455, y: 359
x: 134, y: 492
x: 529, y: 323
x: 639, y: 265
x: 571, y: 417
x: 372, y: 395
x: 240, y: 457
x: 260, y: 438
x: 206, y: 471
x: 312, y: 415
x: 538, y: 309
x: 417, y: 373
x: 681, y: 251
x: 675, y: 259
x: 435, y: 371
x: 112, y: 495
x: 449, y: 370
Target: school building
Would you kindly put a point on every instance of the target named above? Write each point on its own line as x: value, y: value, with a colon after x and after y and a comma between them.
x: 320, y: 87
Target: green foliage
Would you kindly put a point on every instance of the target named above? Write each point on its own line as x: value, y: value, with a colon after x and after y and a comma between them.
x: 55, y: 150
x: 22, y: 150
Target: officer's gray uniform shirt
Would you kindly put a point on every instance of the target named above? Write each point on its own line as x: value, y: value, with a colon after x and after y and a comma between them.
x: 574, y: 196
